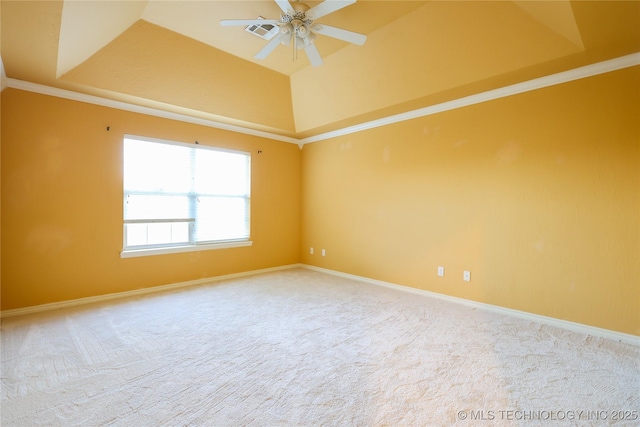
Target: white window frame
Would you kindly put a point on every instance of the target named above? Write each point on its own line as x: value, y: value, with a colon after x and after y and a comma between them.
x: 192, y: 245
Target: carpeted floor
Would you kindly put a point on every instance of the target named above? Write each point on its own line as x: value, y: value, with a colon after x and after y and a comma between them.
x: 299, y: 347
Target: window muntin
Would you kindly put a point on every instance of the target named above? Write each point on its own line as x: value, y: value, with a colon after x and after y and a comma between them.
x: 178, y: 195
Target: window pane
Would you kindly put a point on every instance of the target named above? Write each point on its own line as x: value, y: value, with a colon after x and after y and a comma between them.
x: 156, y: 207
x: 179, y: 232
x: 222, y: 218
x: 136, y: 234
x: 159, y: 233
x: 150, y: 166
x: 221, y: 173
x: 164, y: 233
x: 163, y: 181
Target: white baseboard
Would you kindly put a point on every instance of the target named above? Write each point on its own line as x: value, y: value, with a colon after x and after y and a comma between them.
x: 564, y: 324
x: 136, y: 292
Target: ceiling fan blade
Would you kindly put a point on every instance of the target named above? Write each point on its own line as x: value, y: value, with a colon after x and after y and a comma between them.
x: 246, y: 22
x: 339, y: 33
x: 313, y: 54
x: 270, y: 47
x: 327, y: 7
x: 284, y: 5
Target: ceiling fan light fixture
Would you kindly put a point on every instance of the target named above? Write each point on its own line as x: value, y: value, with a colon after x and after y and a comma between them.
x: 303, y: 31
x: 286, y: 39
x: 297, y: 23
x: 286, y: 29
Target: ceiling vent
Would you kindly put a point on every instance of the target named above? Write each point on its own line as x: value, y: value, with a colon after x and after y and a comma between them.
x: 264, y: 31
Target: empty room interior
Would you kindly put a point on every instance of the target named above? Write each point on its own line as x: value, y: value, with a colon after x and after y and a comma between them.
x: 398, y: 212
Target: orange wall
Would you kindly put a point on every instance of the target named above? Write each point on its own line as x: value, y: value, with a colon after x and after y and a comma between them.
x: 537, y: 194
x: 62, y: 202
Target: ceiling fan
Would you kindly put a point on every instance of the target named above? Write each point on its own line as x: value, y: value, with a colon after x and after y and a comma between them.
x: 297, y: 26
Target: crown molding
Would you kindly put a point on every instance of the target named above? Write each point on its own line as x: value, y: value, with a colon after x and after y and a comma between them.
x: 119, y: 105
x: 3, y: 77
x: 518, y: 88
x: 530, y: 85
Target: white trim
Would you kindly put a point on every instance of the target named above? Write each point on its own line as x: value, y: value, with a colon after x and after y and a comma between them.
x: 133, y: 253
x: 564, y: 324
x: 539, y: 83
x: 119, y: 105
x: 3, y: 77
x: 137, y: 292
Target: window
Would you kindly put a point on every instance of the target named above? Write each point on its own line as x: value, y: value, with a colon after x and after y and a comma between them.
x: 180, y: 197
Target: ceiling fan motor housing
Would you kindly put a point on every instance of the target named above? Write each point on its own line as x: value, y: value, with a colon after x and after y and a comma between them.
x: 299, y: 14
x: 297, y: 22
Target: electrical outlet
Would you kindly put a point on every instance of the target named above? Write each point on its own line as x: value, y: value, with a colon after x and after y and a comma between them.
x: 466, y: 276
x: 324, y: 253
x: 440, y: 271
x: 311, y: 251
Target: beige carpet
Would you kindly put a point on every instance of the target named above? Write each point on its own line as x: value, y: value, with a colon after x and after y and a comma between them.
x: 299, y: 347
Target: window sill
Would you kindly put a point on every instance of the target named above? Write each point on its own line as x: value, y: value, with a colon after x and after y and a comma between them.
x: 180, y: 249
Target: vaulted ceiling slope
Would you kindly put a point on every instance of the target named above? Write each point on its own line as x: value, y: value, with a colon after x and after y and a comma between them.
x: 175, y: 55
